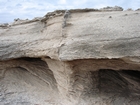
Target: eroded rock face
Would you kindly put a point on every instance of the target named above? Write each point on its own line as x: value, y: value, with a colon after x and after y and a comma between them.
x: 87, y: 35
x: 94, y: 59
x: 30, y: 81
x: 26, y: 82
x: 85, y: 82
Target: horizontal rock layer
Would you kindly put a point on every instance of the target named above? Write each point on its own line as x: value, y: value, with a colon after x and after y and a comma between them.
x: 86, y: 35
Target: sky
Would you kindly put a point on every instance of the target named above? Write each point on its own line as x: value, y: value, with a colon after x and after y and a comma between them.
x: 28, y: 9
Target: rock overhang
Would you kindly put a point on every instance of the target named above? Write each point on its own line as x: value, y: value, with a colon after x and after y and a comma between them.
x: 95, y: 56
x: 88, y: 34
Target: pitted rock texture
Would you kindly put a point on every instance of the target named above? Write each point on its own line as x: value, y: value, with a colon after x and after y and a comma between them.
x: 93, y: 60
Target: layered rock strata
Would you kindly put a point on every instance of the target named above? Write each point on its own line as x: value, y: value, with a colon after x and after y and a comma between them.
x: 89, y: 57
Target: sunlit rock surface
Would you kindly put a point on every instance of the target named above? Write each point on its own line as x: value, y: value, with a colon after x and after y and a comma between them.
x: 78, y: 57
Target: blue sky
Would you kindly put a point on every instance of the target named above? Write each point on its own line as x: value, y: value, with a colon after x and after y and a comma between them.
x: 23, y: 9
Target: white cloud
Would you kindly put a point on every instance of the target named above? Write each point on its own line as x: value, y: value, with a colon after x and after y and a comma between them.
x: 10, y: 9
x: 62, y: 2
x: 100, y: 6
x: 133, y: 4
x: 81, y: 2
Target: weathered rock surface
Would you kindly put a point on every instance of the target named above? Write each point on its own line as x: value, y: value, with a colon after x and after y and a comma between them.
x: 84, y: 57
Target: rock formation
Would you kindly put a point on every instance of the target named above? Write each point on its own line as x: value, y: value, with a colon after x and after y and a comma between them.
x: 93, y: 60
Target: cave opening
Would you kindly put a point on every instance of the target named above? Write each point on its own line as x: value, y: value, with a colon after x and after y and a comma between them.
x: 29, y: 59
x: 124, y: 83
